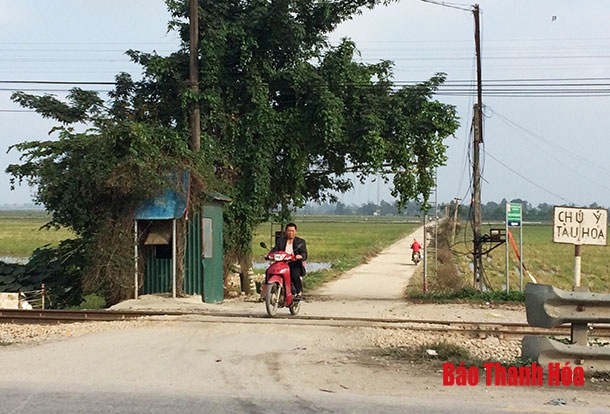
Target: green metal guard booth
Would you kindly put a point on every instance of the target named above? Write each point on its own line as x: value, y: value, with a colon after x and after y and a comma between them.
x: 155, y: 245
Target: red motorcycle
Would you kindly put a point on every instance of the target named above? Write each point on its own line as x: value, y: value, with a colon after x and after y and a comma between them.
x: 277, y: 289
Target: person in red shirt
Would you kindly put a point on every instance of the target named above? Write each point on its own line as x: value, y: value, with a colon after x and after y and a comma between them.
x: 416, y: 247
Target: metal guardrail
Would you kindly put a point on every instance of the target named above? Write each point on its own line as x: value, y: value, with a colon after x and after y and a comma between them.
x: 549, y: 307
x: 546, y: 351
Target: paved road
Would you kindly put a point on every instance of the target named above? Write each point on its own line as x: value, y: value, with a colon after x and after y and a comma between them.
x: 384, y: 277
x: 172, y: 367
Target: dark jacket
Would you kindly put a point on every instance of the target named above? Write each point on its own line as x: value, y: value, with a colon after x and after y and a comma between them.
x: 298, y: 246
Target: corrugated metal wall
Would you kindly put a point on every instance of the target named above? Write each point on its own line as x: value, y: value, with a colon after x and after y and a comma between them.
x: 193, y: 264
x: 157, y: 273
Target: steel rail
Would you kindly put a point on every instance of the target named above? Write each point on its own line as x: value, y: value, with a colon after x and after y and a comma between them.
x: 48, y: 316
x: 499, y: 329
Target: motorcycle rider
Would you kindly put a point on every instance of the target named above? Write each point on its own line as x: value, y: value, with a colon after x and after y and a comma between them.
x: 416, y: 247
x: 290, y: 243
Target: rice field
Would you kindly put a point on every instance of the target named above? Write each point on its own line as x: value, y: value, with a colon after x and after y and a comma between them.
x: 21, y: 233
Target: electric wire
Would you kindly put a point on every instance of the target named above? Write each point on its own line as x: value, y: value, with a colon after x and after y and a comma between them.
x: 589, y: 87
x: 459, y: 6
x: 527, y: 179
x: 575, y: 171
x: 569, y: 152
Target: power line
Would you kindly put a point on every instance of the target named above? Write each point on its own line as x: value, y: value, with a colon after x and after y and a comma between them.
x: 46, y: 82
x: 527, y: 179
x: 569, y: 152
x: 459, y: 6
x: 572, y: 87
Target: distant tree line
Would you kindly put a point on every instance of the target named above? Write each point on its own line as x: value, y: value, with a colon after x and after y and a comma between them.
x: 491, y: 211
x: 366, y: 209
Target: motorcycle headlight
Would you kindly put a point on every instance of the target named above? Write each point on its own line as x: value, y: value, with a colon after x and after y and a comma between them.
x: 278, y: 257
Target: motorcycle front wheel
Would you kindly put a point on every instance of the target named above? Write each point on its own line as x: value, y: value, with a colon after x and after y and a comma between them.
x: 295, y: 307
x: 272, y: 299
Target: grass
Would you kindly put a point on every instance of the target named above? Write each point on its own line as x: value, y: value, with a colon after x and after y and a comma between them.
x: 341, y: 243
x: 347, y: 241
x: 21, y: 233
x: 470, y: 294
x: 548, y: 262
x: 445, y: 352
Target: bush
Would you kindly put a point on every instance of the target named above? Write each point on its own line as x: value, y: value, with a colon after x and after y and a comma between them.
x: 58, y: 268
x: 92, y: 302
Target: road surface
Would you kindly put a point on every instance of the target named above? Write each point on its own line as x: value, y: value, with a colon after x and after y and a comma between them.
x: 194, y: 365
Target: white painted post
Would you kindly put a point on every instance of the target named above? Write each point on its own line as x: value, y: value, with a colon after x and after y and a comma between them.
x: 174, y: 258
x: 135, y: 249
x: 506, y: 250
x: 577, y: 265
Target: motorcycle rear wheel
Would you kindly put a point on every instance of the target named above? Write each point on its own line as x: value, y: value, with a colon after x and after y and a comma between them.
x: 416, y: 258
x: 272, y: 299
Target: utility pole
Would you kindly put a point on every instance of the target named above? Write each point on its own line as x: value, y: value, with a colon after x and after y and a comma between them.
x: 194, y: 74
x: 194, y: 84
x: 455, y: 217
x: 476, y: 174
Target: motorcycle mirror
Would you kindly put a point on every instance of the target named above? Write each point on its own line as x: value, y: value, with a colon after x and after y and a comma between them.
x: 263, y: 245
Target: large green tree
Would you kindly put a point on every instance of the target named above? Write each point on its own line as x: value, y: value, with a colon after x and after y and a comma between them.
x: 102, y: 165
x: 285, y: 116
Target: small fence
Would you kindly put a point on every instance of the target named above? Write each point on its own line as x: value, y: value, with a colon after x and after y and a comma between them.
x: 34, y: 298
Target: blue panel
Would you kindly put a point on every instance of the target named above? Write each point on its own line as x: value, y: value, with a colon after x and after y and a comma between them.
x: 169, y: 205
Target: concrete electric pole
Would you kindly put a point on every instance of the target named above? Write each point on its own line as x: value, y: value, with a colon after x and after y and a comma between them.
x: 476, y: 173
x: 194, y: 74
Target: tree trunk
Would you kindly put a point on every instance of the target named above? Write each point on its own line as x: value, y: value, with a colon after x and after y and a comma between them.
x: 245, y: 264
x: 181, y: 229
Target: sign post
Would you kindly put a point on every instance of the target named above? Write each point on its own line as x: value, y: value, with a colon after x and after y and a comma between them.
x: 513, y: 219
x: 579, y: 226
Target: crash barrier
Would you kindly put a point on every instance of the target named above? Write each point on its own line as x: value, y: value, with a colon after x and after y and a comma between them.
x: 33, y: 299
x: 548, y: 307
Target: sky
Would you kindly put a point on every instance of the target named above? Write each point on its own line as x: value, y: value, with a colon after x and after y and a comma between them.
x: 545, y: 72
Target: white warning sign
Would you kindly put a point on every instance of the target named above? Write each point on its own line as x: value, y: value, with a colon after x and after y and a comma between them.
x: 582, y: 226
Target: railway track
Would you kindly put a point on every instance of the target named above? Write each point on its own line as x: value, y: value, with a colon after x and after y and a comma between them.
x: 505, y: 330
x: 48, y: 316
